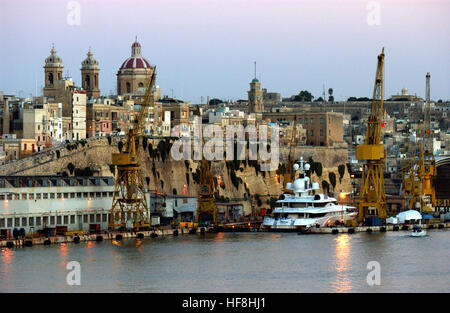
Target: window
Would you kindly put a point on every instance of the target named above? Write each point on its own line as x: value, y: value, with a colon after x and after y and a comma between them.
x: 79, y: 194
x: 72, y: 219
x: 85, y: 218
x: 98, y: 218
x: 321, y: 133
x: 66, y: 219
x: 322, y: 121
x: 38, y: 196
x: 104, y: 218
x: 85, y: 194
x: 2, y: 197
x: 111, y: 193
x: 2, y: 222
x: 24, y: 221
x: 17, y: 222
x: 10, y: 222
x: 312, y: 121
x: 45, y: 196
x: 52, y: 196
x: 92, y: 194
x: 72, y: 195
x: 24, y: 196
x: 31, y: 221
x: 104, y: 194
x: 66, y: 195
x: 31, y: 196
x: 98, y: 194
x: 311, y: 132
x: 52, y: 220
x: 59, y: 219
x: 45, y: 220
x: 59, y: 195
x: 91, y: 218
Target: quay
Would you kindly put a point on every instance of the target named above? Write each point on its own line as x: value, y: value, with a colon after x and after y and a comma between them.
x: 28, y: 242
x: 369, y: 229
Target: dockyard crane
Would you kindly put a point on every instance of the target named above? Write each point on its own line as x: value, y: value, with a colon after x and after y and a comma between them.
x: 372, y: 200
x: 129, y: 200
x: 428, y: 163
x: 206, y: 202
x: 289, y: 174
x: 420, y: 175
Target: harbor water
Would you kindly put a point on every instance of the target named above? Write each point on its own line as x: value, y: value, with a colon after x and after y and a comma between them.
x: 235, y: 262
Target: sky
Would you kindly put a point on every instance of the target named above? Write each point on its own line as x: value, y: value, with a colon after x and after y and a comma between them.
x: 208, y: 47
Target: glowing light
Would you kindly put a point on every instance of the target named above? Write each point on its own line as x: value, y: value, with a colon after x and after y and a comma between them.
x: 342, y: 196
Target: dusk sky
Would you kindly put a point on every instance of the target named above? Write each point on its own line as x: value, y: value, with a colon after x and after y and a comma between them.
x: 207, y: 47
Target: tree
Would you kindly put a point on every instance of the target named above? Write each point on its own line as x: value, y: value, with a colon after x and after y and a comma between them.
x: 304, y: 96
x: 318, y: 168
x: 332, y: 177
x: 325, y: 187
x: 71, y: 167
x: 144, y: 143
x: 349, y: 168
x: 341, y: 170
x: 320, y: 99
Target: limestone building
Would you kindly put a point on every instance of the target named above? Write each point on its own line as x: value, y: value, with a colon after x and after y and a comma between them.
x: 89, y: 76
x: 255, y: 97
x: 134, y: 73
x: 79, y: 115
x: 53, y: 69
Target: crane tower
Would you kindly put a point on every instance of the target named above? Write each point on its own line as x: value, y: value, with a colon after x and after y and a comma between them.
x: 129, y: 200
x: 372, y: 201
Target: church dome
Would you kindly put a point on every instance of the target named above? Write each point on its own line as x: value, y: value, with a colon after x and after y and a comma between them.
x: 53, y: 60
x: 89, y: 62
x: 136, y: 60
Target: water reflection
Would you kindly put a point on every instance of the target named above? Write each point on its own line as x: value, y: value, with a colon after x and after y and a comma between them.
x: 342, y: 264
x: 5, y: 268
x: 62, y: 250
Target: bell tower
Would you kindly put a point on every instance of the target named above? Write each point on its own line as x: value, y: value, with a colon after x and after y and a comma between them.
x: 53, y: 72
x: 89, y: 76
x: 255, y: 96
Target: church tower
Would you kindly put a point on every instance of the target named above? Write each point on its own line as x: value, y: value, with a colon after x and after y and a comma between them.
x: 89, y: 76
x: 53, y: 72
x: 255, y: 96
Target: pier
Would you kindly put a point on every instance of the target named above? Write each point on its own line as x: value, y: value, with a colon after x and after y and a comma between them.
x: 28, y: 242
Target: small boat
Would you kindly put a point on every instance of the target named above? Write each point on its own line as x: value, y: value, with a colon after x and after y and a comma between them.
x: 418, y: 231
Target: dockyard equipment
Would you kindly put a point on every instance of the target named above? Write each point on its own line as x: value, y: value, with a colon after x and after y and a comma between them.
x: 206, y: 203
x: 372, y: 195
x: 129, y: 200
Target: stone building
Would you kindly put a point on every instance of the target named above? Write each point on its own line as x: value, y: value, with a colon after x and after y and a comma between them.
x: 322, y: 129
x: 90, y: 76
x: 79, y: 115
x: 255, y: 97
x: 53, y: 69
x: 133, y: 75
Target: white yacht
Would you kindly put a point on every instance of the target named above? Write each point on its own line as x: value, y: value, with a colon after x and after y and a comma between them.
x: 303, y: 209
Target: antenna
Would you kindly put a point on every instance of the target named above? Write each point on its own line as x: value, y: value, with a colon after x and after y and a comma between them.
x: 255, y: 69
